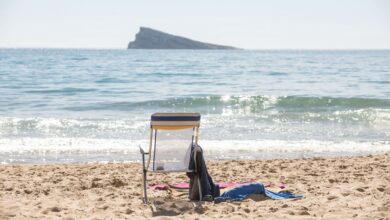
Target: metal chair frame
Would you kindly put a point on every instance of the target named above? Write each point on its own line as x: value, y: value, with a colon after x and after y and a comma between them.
x: 152, y: 152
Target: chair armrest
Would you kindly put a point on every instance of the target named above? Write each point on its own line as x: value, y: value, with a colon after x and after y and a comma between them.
x: 141, y: 150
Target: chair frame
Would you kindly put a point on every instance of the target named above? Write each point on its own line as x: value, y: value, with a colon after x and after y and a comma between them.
x: 152, y: 149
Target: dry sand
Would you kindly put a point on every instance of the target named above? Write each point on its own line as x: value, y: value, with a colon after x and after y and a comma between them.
x: 334, y: 188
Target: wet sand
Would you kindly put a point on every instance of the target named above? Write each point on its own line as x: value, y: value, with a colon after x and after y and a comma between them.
x: 334, y: 188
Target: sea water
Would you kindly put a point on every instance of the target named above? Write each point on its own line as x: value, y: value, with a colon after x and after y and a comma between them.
x: 78, y: 105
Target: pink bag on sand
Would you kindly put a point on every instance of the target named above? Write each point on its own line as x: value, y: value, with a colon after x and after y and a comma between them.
x: 222, y: 185
x: 158, y: 186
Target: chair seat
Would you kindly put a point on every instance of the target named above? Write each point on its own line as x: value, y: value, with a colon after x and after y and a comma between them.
x: 169, y: 166
x: 171, y: 171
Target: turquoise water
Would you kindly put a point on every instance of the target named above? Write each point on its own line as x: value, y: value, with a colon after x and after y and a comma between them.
x: 63, y: 105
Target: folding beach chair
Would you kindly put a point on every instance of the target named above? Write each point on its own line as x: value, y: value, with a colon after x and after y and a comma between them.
x: 171, y: 137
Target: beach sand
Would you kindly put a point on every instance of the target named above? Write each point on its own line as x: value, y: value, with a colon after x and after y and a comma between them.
x: 334, y: 188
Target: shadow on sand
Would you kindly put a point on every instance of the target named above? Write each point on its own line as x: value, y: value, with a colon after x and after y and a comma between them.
x: 169, y: 207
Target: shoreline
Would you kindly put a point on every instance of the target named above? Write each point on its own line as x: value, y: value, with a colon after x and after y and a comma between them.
x: 207, y: 158
x: 85, y: 150
x: 334, y: 188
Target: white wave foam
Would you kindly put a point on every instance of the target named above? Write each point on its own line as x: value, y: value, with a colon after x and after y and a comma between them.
x: 67, y: 144
x: 293, y: 147
x: 30, y: 149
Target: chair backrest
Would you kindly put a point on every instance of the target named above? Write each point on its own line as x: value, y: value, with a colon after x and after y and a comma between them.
x: 172, y: 135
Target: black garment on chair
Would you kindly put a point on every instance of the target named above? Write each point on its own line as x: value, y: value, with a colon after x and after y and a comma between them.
x: 201, y: 176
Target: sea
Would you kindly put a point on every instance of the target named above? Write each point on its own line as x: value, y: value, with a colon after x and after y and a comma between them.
x: 94, y: 105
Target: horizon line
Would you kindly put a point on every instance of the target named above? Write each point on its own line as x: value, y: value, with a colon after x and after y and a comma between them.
x: 120, y: 48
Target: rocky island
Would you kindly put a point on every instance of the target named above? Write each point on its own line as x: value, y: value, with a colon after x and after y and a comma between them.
x: 148, y: 38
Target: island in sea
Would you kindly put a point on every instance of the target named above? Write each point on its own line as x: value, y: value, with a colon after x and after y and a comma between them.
x: 148, y: 38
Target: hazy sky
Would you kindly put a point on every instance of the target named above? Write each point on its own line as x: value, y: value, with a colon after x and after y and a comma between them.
x: 252, y: 24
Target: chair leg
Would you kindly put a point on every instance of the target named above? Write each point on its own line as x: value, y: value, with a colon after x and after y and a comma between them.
x: 144, y: 171
x: 145, y: 187
x: 200, y: 190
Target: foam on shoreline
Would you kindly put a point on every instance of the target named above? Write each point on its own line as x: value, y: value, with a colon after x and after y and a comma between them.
x: 80, y: 150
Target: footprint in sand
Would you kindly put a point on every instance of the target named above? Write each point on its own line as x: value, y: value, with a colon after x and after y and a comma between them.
x: 28, y: 191
x: 55, y: 209
x: 303, y: 212
x: 360, y: 189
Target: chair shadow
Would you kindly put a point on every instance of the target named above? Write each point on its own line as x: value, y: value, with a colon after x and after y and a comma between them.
x: 174, y: 207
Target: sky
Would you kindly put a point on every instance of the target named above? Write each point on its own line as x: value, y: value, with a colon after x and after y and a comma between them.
x: 249, y: 24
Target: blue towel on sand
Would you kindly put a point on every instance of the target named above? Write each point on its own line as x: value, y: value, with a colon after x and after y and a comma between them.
x: 243, y: 191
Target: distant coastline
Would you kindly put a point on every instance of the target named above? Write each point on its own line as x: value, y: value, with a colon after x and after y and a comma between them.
x: 148, y: 38
x: 246, y: 49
